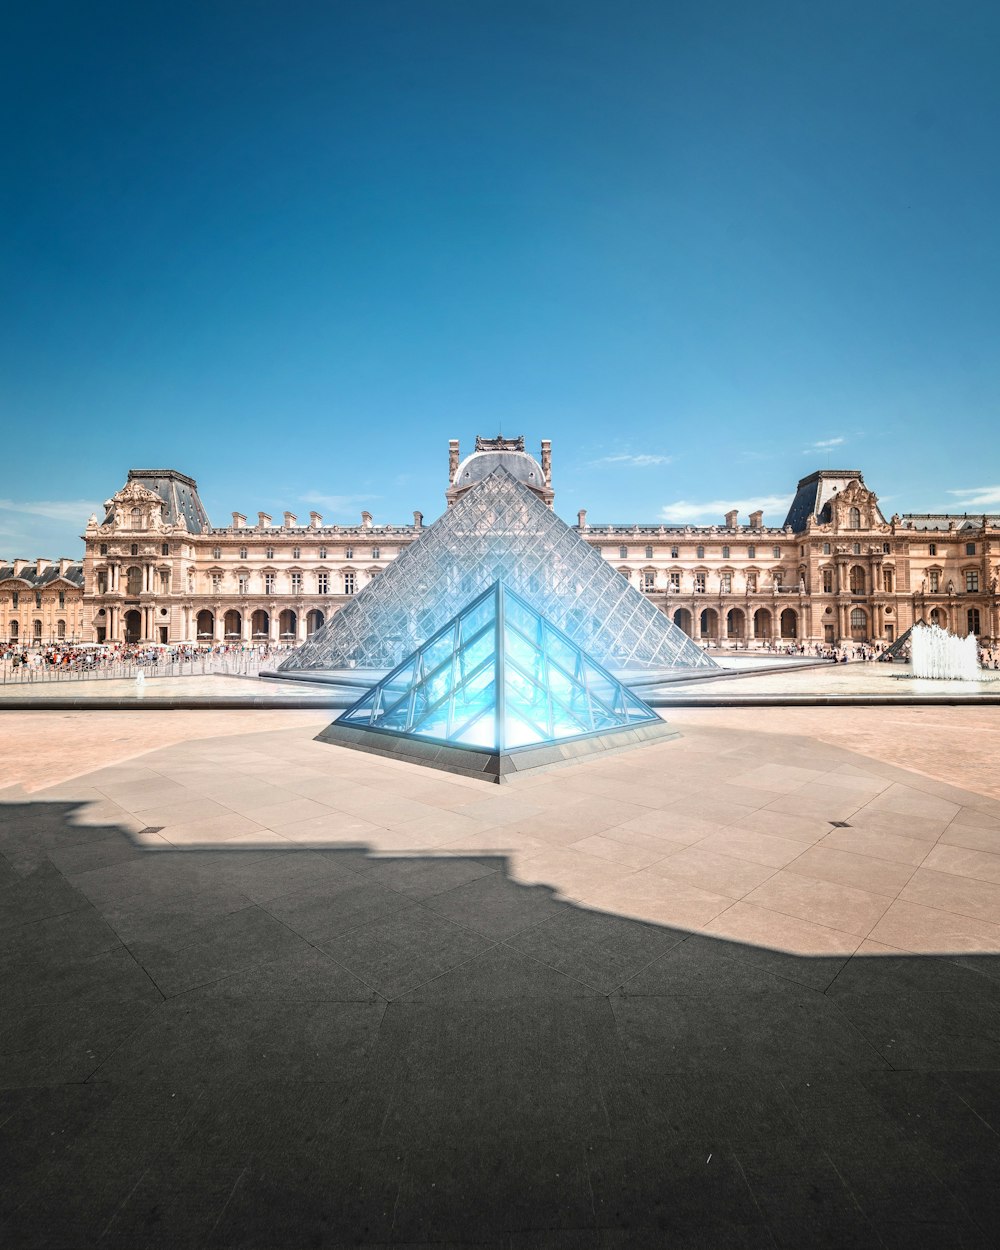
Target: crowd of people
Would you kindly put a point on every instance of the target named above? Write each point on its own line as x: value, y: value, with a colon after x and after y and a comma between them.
x: 102, y: 658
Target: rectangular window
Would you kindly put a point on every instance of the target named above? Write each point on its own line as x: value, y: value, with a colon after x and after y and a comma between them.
x: 726, y: 583
x: 828, y: 581
x: 244, y: 584
x: 623, y: 553
x: 62, y: 598
x: 164, y: 580
x: 348, y: 553
x: 268, y: 553
x: 296, y: 583
x: 826, y: 549
x: 322, y: 553
x: 216, y: 553
x: 935, y: 579
x: 216, y: 582
x: 38, y: 599
x: 970, y: 549
x: 886, y: 548
x: 725, y: 553
x: 268, y: 583
x: 165, y: 549
x: 243, y: 553
x: 350, y: 583
x: 323, y: 583
x: 674, y: 553
x: 752, y: 582
x: 699, y: 553
x: 932, y: 549
x: 971, y: 580
x: 675, y: 581
x: 751, y: 552
x: 104, y: 549
x: 776, y: 552
x: 649, y: 553
x: 856, y: 548
x: 376, y: 553
x: 887, y: 579
x: 649, y: 582
x: 17, y: 598
x: 296, y: 553
x: 699, y: 583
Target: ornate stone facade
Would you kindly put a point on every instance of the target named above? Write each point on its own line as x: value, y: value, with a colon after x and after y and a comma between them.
x: 156, y: 570
x: 41, y: 601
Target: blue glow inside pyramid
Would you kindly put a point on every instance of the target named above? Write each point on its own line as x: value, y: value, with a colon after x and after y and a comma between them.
x: 498, y: 676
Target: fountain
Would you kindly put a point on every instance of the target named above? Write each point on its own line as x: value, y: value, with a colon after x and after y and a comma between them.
x: 936, y: 652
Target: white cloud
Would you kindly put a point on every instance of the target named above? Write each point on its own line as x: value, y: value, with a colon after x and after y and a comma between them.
x: 824, y: 444
x: 337, y: 503
x: 639, y: 461
x: 976, y: 497
x: 73, y: 511
x: 683, y: 511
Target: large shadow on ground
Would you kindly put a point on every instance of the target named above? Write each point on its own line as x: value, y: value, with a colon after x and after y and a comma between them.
x: 318, y: 1048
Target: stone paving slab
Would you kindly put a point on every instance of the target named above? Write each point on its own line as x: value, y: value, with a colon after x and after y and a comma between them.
x: 657, y: 1000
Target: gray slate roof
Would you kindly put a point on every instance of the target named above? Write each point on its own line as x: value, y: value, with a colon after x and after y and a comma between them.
x: 38, y: 581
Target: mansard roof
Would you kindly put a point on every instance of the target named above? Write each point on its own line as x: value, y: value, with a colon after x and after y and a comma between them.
x: 949, y: 520
x: 48, y: 576
x: 814, y: 493
x: 179, y: 494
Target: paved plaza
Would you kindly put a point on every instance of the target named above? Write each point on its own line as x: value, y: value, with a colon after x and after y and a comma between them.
x: 739, y: 989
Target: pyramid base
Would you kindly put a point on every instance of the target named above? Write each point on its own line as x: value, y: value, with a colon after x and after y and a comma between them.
x: 494, y: 766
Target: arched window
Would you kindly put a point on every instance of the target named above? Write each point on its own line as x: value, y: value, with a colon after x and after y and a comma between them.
x: 14, y: 627
x: 61, y: 630
x: 854, y: 518
x: 135, y: 519
x: 37, y: 628
x: 857, y: 580
x: 859, y: 622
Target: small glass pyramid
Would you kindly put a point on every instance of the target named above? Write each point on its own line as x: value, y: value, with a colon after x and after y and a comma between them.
x: 498, y: 677
x: 498, y: 531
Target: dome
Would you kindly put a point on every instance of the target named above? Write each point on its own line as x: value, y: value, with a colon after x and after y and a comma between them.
x: 480, y: 465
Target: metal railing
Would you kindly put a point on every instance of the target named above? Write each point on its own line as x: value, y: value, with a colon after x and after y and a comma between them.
x: 198, y: 664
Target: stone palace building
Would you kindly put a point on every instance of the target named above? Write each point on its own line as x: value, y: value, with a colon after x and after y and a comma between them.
x: 157, y: 570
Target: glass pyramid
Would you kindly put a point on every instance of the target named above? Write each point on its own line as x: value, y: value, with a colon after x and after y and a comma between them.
x: 497, y: 677
x: 498, y: 531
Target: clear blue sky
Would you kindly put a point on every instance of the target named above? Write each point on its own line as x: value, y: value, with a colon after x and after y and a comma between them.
x: 292, y: 248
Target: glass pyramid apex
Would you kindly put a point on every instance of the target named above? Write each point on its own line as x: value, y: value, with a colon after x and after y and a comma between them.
x: 498, y: 531
x: 498, y: 677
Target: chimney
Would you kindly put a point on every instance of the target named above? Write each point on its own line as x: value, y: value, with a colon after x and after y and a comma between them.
x: 418, y: 520
x: 732, y: 519
x: 315, y: 520
x: 366, y: 520
x: 581, y: 519
x: 263, y: 520
x: 452, y: 459
x: 290, y: 520
x: 63, y: 566
x: 239, y: 520
x: 40, y: 564
x: 547, y: 460
x: 756, y: 520
x: 20, y: 566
